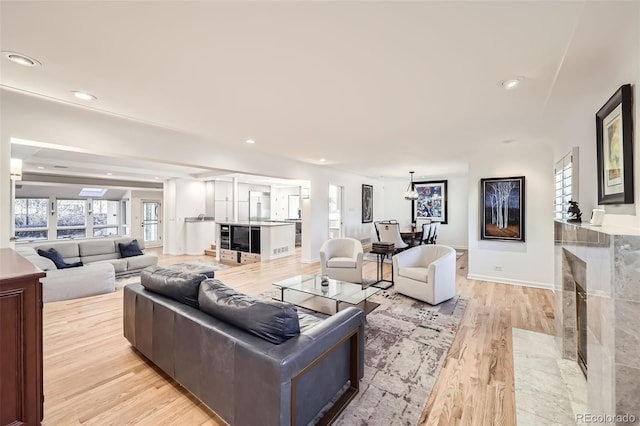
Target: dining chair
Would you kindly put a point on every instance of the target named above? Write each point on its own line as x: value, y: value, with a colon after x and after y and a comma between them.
x: 434, y: 232
x: 390, y: 232
x: 426, y: 232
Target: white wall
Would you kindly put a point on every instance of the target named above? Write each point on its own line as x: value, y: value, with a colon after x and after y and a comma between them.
x: 182, y: 198
x: 455, y: 232
x: 529, y: 263
x: 315, y: 210
x: 584, y: 93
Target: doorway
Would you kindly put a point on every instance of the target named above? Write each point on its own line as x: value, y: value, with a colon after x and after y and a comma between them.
x: 336, y: 226
x: 151, y: 221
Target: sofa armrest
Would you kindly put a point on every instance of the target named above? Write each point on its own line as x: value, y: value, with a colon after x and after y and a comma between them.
x: 331, y: 364
x: 307, y: 372
x: 325, y: 335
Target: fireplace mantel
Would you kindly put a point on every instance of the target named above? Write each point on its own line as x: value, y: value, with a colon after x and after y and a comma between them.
x: 611, y: 257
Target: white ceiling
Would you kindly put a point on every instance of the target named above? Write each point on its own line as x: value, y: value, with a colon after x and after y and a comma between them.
x: 377, y: 88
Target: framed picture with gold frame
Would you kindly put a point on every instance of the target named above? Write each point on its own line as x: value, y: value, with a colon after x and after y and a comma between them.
x: 614, y: 134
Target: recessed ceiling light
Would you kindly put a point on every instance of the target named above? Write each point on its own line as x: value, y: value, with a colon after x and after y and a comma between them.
x: 21, y: 59
x: 322, y: 160
x: 156, y: 177
x: 511, y: 83
x: 250, y: 141
x: 40, y: 168
x: 83, y: 95
x: 109, y: 174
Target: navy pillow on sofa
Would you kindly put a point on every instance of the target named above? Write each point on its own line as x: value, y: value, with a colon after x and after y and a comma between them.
x: 130, y: 249
x: 274, y: 321
x: 57, y: 259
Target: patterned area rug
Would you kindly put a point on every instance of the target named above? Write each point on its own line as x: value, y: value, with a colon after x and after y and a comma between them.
x: 406, y: 343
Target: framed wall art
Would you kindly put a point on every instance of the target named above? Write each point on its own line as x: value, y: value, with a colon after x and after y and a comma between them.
x: 614, y: 138
x: 367, y: 203
x: 431, y: 202
x: 502, y: 209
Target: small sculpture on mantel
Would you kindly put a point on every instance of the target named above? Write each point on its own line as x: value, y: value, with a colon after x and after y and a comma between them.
x: 575, y: 215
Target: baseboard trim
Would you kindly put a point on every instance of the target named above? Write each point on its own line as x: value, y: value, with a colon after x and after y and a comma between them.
x: 314, y: 260
x: 502, y: 280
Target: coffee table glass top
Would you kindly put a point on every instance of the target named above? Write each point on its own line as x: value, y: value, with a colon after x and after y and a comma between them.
x: 336, y: 290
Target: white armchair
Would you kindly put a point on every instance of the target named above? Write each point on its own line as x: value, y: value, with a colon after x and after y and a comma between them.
x: 426, y: 272
x: 341, y: 259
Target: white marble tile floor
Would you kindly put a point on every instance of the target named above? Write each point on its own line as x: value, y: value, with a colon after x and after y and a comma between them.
x: 549, y: 390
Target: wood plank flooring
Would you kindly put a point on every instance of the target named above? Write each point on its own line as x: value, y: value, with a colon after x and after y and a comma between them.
x: 92, y: 376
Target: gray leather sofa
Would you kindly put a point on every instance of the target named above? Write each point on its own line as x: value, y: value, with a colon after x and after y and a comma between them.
x: 244, y: 378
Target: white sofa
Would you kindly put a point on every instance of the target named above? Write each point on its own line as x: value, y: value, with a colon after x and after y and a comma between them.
x: 341, y: 259
x: 101, y: 264
x: 426, y: 272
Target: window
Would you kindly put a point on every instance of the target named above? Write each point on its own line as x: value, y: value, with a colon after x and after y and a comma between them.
x: 31, y: 219
x: 566, y: 183
x: 105, y: 218
x: 79, y: 218
x: 72, y: 219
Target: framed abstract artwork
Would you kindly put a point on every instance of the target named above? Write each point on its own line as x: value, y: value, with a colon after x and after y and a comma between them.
x: 502, y: 209
x: 614, y: 138
x: 367, y: 203
x: 431, y: 202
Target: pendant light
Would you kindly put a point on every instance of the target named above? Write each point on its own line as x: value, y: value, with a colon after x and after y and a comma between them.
x: 411, y: 193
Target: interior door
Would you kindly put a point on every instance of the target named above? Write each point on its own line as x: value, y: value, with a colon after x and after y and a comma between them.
x: 151, y: 223
x: 336, y: 226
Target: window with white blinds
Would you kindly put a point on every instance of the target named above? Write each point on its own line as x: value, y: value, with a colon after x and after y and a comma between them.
x: 566, y: 181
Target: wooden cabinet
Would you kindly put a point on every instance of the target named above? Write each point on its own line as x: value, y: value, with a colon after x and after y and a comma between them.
x: 21, y: 397
x: 249, y: 257
x: 234, y: 256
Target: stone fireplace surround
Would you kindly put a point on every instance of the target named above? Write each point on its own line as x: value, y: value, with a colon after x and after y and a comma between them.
x: 612, y: 259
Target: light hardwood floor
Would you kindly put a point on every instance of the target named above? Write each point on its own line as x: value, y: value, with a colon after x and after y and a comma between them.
x: 91, y: 375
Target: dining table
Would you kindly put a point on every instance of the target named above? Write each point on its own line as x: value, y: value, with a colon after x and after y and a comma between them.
x: 411, y: 235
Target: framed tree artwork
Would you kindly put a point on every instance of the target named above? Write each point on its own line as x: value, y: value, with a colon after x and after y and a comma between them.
x: 431, y: 202
x: 367, y: 203
x: 614, y: 137
x: 502, y: 209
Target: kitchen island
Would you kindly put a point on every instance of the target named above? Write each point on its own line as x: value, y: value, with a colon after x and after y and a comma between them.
x: 249, y: 242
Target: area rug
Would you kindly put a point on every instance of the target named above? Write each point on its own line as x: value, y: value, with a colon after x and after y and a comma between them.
x: 209, y: 265
x: 406, y: 343
x: 135, y: 278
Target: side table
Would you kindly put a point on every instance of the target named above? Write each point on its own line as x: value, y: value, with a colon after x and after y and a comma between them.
x: 381, y: 253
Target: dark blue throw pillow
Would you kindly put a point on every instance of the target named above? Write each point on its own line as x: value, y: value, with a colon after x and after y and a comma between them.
x: 57, y: 259
x: 130, y: 249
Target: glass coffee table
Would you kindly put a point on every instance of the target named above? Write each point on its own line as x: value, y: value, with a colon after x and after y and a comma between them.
x: 307, y: 291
